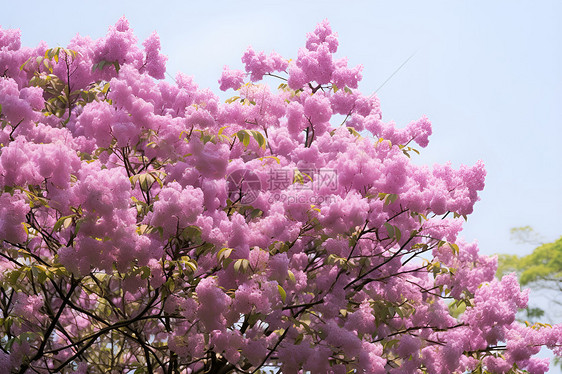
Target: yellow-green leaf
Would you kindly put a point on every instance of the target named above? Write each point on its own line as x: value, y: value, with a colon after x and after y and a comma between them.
x: 389, y: 229
x: 282, y: 293
x: 63, y: 222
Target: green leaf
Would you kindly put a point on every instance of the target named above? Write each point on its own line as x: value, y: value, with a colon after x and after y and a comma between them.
x: 353, y: 132
x: 63, y: 222
x: 170, y: 284
x: 241, y: 265
x: 272, y: 157
x: 259, y: 138
x: 232, y: 99
x: 390, y: 343
x: 455, y: 248
x: 237, y: 265
x: 47, y: 65
x: 255, y: 213
x: 397, y: 233
x: 389, y: 229
x: 204, y: 248
x: 189, y: 263
x: 191, y: 233
x: 14, y: 276
x: 9, y: 344
x: 282, y: 293
x: 157, y: 175
x: 221, y: 130
x: 253, y: 318
x: 145, y: 272
x: 390, y: 198
x: 244, y: 137
x: 224, y: 254
x: 291, y: 276
x: 100, y: 65
x: 300, y: 177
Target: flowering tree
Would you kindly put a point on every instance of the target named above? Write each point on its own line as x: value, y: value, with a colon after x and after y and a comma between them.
x: 146, y: 227
x: 541, y: 270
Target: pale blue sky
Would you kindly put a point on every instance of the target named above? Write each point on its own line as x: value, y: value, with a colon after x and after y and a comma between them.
x: 487, y: 73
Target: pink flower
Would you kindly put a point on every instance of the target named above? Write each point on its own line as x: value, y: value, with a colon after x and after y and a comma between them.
x: 155, y: 62
x: 177, y: 208
x: 10, y: 39
x: 231, y: 79
x: 322, y: 35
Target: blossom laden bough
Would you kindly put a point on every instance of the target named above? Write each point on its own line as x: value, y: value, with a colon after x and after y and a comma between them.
x: 148, y: 227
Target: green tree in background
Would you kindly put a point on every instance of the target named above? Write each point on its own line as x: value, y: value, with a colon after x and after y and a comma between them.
x: 540, y: 270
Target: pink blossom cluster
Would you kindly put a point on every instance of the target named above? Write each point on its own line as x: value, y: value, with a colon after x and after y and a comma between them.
x: 192, y: 235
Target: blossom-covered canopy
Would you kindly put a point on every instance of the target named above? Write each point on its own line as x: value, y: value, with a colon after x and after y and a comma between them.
x: 146, y: 226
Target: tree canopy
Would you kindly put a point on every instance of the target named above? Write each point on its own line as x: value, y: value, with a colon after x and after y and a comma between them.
x: 540, y: 270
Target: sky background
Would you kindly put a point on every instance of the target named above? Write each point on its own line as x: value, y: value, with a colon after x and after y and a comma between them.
x: 488, y: 74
